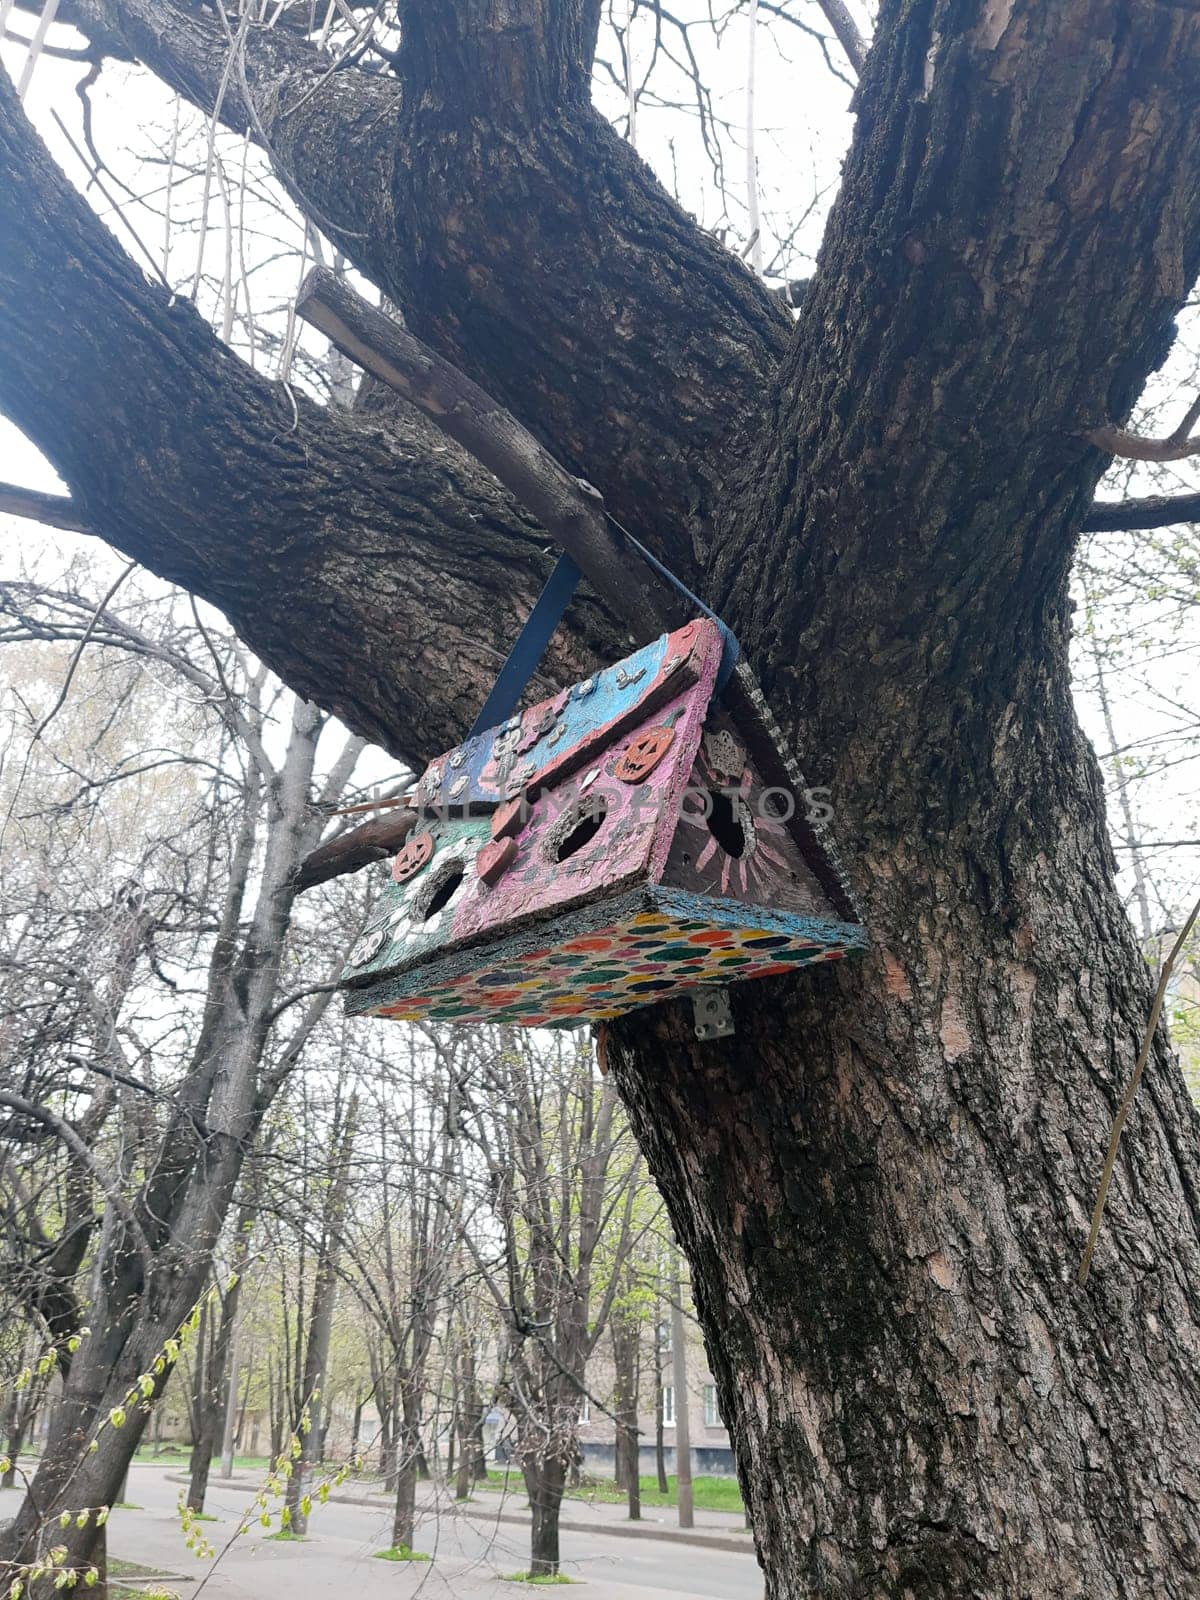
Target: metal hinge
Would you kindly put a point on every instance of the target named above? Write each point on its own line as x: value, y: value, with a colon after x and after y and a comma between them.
x: 710, y: 1010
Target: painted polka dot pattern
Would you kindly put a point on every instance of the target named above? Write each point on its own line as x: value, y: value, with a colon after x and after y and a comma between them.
x: 598, y: 975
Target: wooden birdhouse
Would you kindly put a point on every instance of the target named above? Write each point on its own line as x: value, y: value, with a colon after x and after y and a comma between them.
x: 622, y: 843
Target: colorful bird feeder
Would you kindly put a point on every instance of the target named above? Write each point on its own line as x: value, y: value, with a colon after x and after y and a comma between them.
x: 625, y: 842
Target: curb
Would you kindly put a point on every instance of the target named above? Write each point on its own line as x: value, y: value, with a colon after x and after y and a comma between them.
x: 716, y: 1539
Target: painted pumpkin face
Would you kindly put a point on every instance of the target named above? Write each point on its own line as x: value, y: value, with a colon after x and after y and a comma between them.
x: 640, y: 758
x: 415, y: 854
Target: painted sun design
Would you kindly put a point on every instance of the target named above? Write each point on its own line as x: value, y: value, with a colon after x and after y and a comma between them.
x: 759, y: 866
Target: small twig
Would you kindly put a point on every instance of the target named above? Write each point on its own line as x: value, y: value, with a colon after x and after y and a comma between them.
x: 1123, y: 1109
x: 95, y: 177
x: 1188, y: 420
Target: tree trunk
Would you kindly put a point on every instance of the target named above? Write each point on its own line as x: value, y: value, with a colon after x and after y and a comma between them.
x: 20, y: 1422
x: 626, y: 1345
x: 356, y: 1425
x: 205, y: 1389
x: 216, y: 1396
x: 229, y: 1422
x: 660, y: 1443
x: 683, y: 1427
x: 391, y: 1458
x: 468, y: 1420
x: 462, y: 1479
x: 12, y: 1432
x: 544, y: 1484
x: 407, y: 1473
x: 320, y: 1327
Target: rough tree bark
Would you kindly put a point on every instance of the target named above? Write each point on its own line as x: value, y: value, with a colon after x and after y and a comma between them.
x: 882, y: 1181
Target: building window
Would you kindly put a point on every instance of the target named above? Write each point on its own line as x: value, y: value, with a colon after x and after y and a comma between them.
x: 585, y: 1409
x: 663, y: 1337
x: 712, y: 1412
x: 668, y: 1407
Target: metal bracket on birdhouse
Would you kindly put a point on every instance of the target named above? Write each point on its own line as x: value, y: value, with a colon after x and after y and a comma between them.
x: 711, y: 1014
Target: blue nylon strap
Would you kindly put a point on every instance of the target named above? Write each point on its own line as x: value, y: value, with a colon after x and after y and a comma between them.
x: 547, y: 614
x: 530, y: 646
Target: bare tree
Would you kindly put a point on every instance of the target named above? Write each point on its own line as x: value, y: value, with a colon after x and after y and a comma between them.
x: 882, y: 495
x: 158, y: 1119
x: 560, y: 1171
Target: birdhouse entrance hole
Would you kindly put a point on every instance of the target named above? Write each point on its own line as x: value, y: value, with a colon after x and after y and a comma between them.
x: 726, y: 822
x: 581, y: 825
x: 443, y: 890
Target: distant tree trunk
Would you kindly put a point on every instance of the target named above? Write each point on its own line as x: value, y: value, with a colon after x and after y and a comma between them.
x: 468, y: 1415
x: 407, y: 1471
x: 356, y: 1424
x: 320, y: 1329
x: 229, y: 1425
x: 20, y: 1422
x: 391, y: 1460
x: 203, y: 1411
x: 660, y: 1443
x: 462, y: 1478
x: 214, y: 1395
x: 474, y: 1415
x: 10, y: 1430
x: 545, y: 1483
x: 626, y: 1346
x: 683, y: 1429
x: 275, y: 1407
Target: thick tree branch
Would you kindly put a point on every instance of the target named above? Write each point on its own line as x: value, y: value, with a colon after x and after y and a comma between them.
x: 1151, y: 511
x: 54, y: 510
x: 357, y: 847
x: 568, y: 508
x: 333, y: 544
x: 548, y: 264
x: 517, y: 59
x: 1132, y: 447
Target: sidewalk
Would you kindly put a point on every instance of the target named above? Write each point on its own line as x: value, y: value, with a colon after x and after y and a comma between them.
x: 716, y: 1530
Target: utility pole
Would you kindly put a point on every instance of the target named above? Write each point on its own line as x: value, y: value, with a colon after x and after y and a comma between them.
x: 683, y: 1441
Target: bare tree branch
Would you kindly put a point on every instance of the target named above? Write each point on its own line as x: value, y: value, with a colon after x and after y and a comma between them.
x: 1152, y: 511
x: 55, y: 510
x: 1130, y: 447
x: 568, y: 507
x: 848, y: 36
x: 64, y: 1131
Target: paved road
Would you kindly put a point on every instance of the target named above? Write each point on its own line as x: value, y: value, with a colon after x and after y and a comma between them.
x: 471, y: 1555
